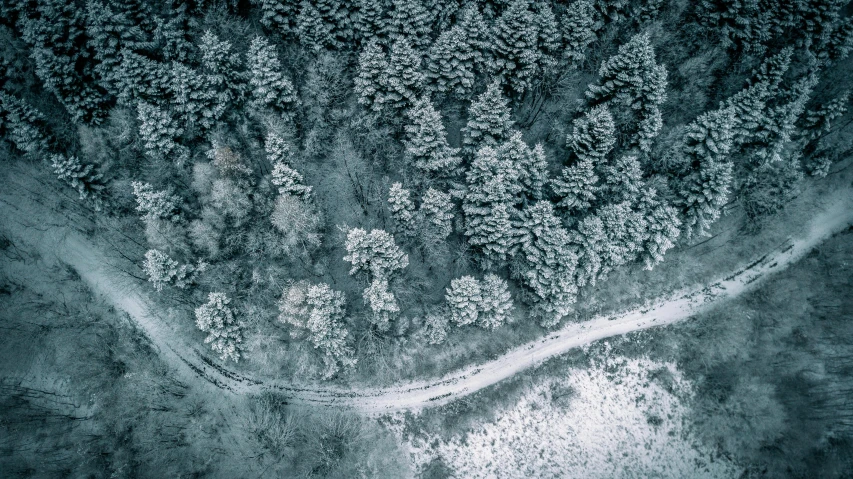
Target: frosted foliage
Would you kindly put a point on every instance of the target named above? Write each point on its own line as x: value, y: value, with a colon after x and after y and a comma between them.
x: 402, y: 208
x: 382, y: 303
x: 576, y: 187
x: 463, y: 300
x: 438, y: 213
x: 374, y: 253
x: 426, y: 143
x: 163, y: 270
x: 85, y: 179
x: 216, y: 318
x: 435, y: 328
x: 298, y: 222
x: 489, y: 120
x: 611, y: 421
x: 159, y: 131
x: 155, y: 204
x: 270, y: 87
x: 496, y: 302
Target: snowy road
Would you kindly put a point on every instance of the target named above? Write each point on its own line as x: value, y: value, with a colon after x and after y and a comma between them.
x: 126, y: 295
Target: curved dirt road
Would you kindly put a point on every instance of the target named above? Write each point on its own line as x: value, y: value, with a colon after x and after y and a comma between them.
x: 194, y: 367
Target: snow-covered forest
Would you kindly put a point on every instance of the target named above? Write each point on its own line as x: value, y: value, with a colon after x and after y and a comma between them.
x: 332, y: 196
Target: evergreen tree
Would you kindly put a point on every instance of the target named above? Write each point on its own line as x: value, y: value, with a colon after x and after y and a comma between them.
x: 288, y: 180
x: 591, y: 240
x: 55, y: 32
x: 703, y: 193
x: 314, y: 33
x: 489, y: 120
x: 337, y: 20
x: 580, y: 26
x: 318, y: 311
x: 475, y: 27
x: 155, y: 205
x: 453, y: 63
x: 193, y: 98
x: 624, y: 179
x: 224, y: 333
x: 633, y: 79
x: 463, y: 300
x: 776, y: 132
x: 531, y: 163
x: 270, y: 87
x: 139, y: 78
x: 435, y: 327
x: 437, y: 211
x: 496, y: 302
x: 403, y: 79
x: 547, y: 263
x: 369, y: 19
x: 576, y: 187
x: 626, y: 231
x: 664, y: 227
x: 593, y: 135
x: 402, y: 209
x: 25, y: 126
x: 111, y: 27
x: 521, y: 56
x: 817, y: 123
x: 163, y: 270
x: 85, y: 179
x: 159, y: 131
x: 374, y: 253
x: 382, y: 303
x: 409, y: 21
x: 426, y: 145
x: 370, y: 81
x: 223, y: 70
x: 278, y: 15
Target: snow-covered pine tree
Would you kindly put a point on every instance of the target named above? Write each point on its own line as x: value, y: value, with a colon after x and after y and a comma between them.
x: 193, y: 99
x: 160, y: 131
x: 593, y: 135
x: 369, y: 19
x: 817, y: 123
x: 382, y: 303
x: 85, y: 179
x: 278, y: 15
x: 25, y: 126
x: 155, y: 204
x: 313, y: 32
x: 224, y: 333
x: 409, y: 20
x: 139, y: 78
x: 55, y: 30
x: 270, y: 87
x: 318, y: 311
x: 463, y: 300
x: 370, y: 82
x: 580, y: 25
x: 111, y: 27
x: 426, y: 143
x: 776, y: 132
x: 163, y: 270
x: 223, y: 70
x: 624, y: 179
x: 403, y: 78
x: 435, y: 327
x: 288, y: 180
x: 633, y: 80
x: 547, y: 263
x: 489, y: 120
x: 576, y: 187
x: 626, y: 231
x: 453, y: 63
x: 496, y: 302
x: 437, y: 212
x: 402, y: 209
x: 591, y: 240
x: 664, y: 227
x: 489, y: 204
x: 531, y: 163
x: 374, y: 253
x: 520, y: 56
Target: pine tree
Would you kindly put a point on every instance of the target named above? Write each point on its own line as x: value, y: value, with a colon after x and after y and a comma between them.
x: 224, y: 333
x: 633, y: 79
x: 409, y: 21
x: 776, y: 133
x: 223, y: 70
x: 664, y: 227
x: 318, y: 310
x: 402, y: 209
x: 403, y: 78
x: 437, y: 211
x: 547, y: 263
x: 817, y: 123
x: 172, y: 36
x: 531, y: 163
x: 337, y: 19
x: 463, y: 300
x: 593, y: 135
x: 475, y: 27
x: 111, y: 27
x: 270, y: 87
x: 627, y: 232
x: 435, y: 327
x: 288, y: 180
x: 159, y: 131
x: 624, y: 179
x: 382, y: 303
x: 426, y: 145
x: 576, y: 187
x: 193, y: 98
x: 314, y: 33
x: 496, y: 302
x: 442, y: 13
x: 139, y: 78
x: 453, y: 63
x: 155, y: 204
x: 370, y: 81
x: 369, y: 19
x: 278, y: 15
x: 163, y: 270
x: 374, y: 253
x: 489, y: 120
x: 580, y: 26
x: 591, y: 240
x: 748, y: 112
x: 85, y: 179
x: 493, y: 185
x: 704, y: 192
x: 55, y: 32
x: 25, y: 126
x: 516, y: 42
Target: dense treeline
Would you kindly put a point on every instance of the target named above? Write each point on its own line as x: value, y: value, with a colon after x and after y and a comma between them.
x: 378, y: 171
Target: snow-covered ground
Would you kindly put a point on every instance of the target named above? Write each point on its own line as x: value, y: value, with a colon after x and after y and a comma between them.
x: 612, y: 420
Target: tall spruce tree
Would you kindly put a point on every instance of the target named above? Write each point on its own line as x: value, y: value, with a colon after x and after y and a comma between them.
x: 489, y: 120
x: 426, y: 145
x: 270, y: 86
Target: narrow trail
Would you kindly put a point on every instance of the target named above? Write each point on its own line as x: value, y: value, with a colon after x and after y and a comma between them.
x: 196, y: 369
